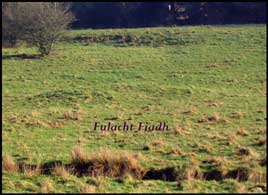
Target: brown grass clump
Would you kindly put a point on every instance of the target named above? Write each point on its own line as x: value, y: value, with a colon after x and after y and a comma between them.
x: 262, y: 131
x: 261, y: 142
x: 242, y: 132
x: 106, y: 162
x: 78, y: 155
x: 61, y: 171
x: 31, y: 171
x: 52, y: 124
x: 256, y: 175
x: 55, y: 124
x: 37, y: 123
x: 231, y: 139
x: 180, y: 131
x: 190, y: 171
x: 213, y: 118
x: 247, y: 174
x: 70, y: 115
x: 8, y: 164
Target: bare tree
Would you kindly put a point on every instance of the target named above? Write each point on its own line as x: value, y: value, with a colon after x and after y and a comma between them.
x: 41, y: 23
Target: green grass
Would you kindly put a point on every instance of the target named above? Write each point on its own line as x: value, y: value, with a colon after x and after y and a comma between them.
x: 158, y: 77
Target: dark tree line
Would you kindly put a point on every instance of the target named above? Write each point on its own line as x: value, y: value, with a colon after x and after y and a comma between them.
x: 145, y: 14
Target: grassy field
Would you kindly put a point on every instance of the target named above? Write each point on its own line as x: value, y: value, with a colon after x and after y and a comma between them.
x: 208, y: 83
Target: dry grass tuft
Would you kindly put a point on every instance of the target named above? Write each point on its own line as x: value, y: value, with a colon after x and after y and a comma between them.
x: 68, y: 115
x: 73, y: 115
x: 31, y: 171
x: 61, y: 171
x: 241, y: 174
x: 261, y: 142
x: 214, y: 118
x: 256, y: 175
x: 242, y: 132
x: 180, y: 131
x: 106, y: 162
x: 37, y: 123
x: 78, y: 155
x: 55, y: 124
x: 262, y: 131
x: 8, y: 164
x: 231, y: 139
x: 190, y: 171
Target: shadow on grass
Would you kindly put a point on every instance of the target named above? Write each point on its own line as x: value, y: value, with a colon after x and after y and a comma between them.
x: 21, y: 56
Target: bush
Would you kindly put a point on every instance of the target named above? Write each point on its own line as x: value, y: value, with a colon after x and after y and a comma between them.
x: 39, y: 23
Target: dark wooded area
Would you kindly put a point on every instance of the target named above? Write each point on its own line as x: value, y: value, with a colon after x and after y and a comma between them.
x: 149, y: 14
